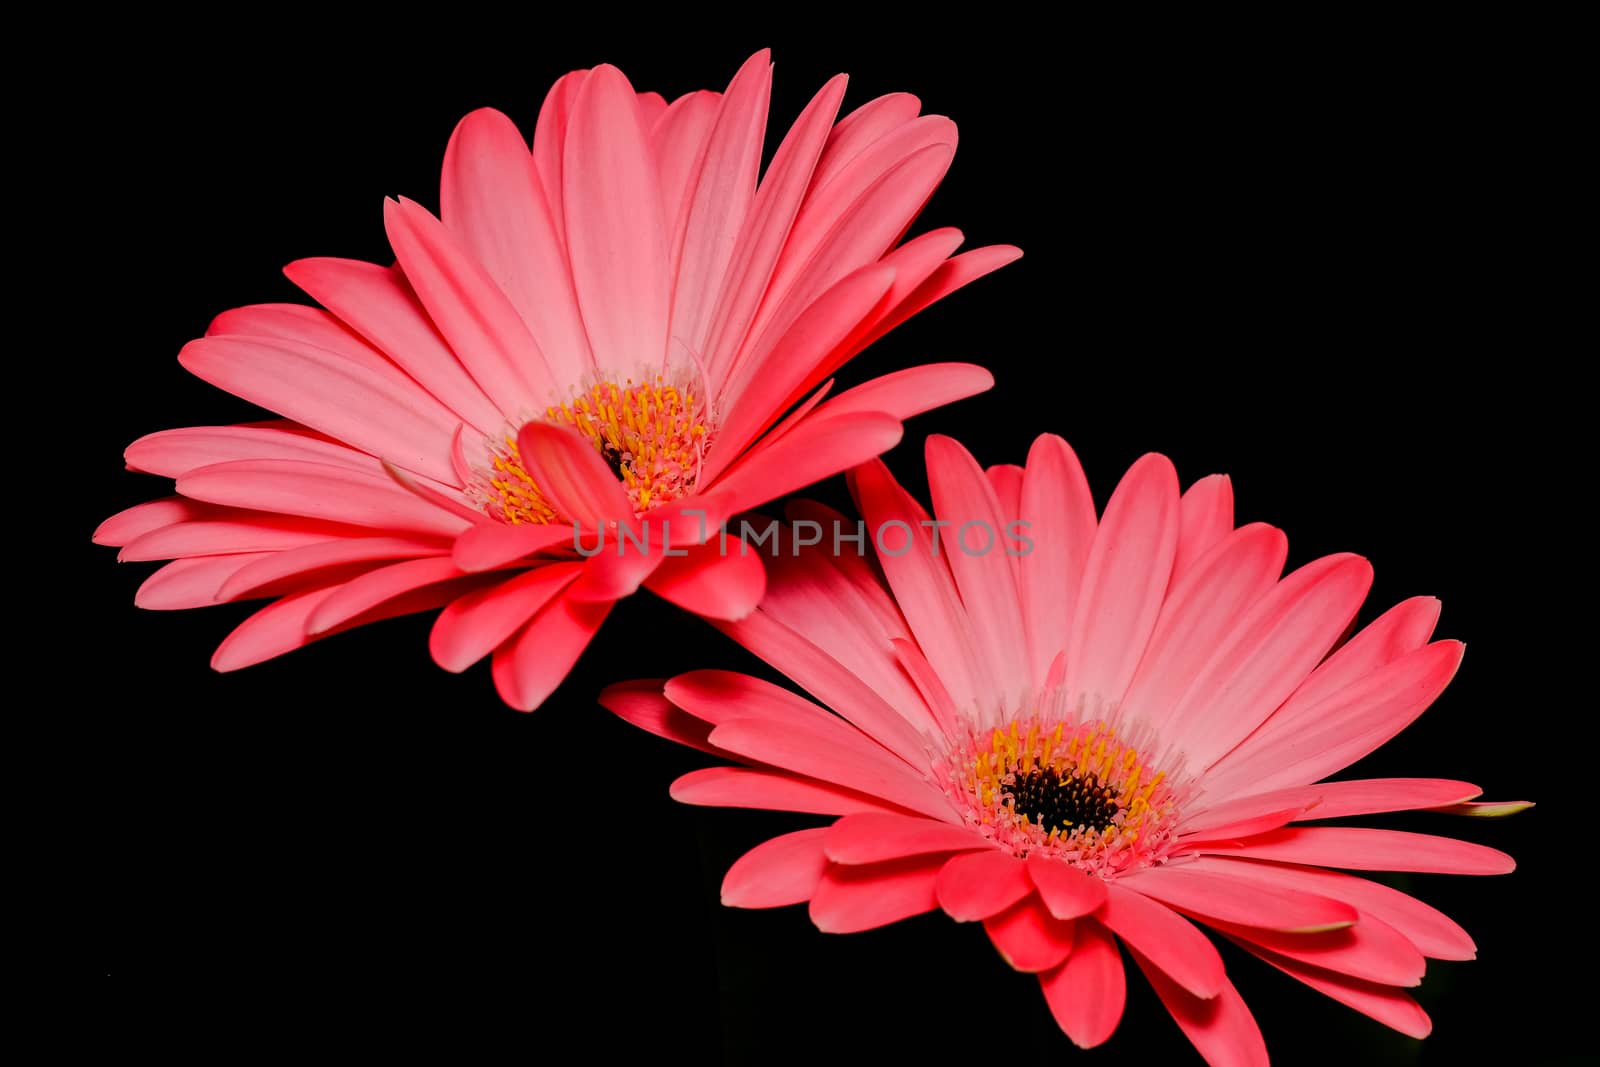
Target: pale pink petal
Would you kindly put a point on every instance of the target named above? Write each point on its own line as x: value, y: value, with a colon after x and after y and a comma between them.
x: 1215, y: 896
x: 1358, y: 848
x: 1331, y: 800
x: 1086, y: 994
x: 1391, y: 1007
x: 711, y: 583
x: 572, y: 476
x: 1058, y: 514
x: 678, y: 143
x: 875, y: 837
x: 784, y: 870
x: 1171, y: 941
x: 192, y: 582
x: 174, y: 453
x: 642, y: 704
x: 850, y: 899
x: 318, y: 491
x: 863, y: 127
x: 248, y: 532
x: 311, y: 561
x: 1124, y: 580
x: 941, y: 709
x: 1028, y: 937
x: 529, y: 666
x: 379, y: 304
x: 550, y: 138
x: 1205, y: 517
x: 486, y: 545
x: 746, y: 787
x: 976, y: 885
x: 475, y: 317
x: 130, y: 524
x: 473, y: 626
x: 1066, y: 891
x: 616, y: 239
x: 367, y: 403
x: 1221, y: 1027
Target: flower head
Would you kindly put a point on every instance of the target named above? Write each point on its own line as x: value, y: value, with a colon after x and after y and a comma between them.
x: 1085, y: 731
x: 602, y: 332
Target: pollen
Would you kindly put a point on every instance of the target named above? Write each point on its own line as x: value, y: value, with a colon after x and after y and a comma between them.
x: 652, y: 436
x: 1075, y: 791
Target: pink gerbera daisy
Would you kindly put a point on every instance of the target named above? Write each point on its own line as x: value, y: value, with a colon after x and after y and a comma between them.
x: 1081, y: 732
x: 602, y: 330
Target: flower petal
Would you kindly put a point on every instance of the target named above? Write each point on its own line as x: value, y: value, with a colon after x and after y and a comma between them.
x: 1058, y: 512
x: 529, y: 666
x: 1205, y: 517
x: 1359, y: 848
x: 1066, y: 891
x: 1221, y: 1028
x: 1168, y: 939
x: 785, y: 870
x: 1086, y: 994
x: 748, y: 787
x: 1028, y: 937
x: 473, y: 626
x: 710, y: 582
x: 976, y: 885
x: 1213, y: 895
x: 850, y: 899
x: 874, y: 837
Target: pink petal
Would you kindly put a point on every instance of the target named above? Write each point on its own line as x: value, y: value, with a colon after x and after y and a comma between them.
x: 572, y: 476
x: 318, y: 491
x: 1221, y: 1027
x: 678, y: 144
x: 622, y: 567
x: 976, y: 885
x: 249, y: 532
x: 1124, y: 580
x: 365, y: 401
x: 1205, y: 517
x: 1066, y: 891
x: 191, y: 583
x: 1388, y: 1005
x: 1028, y: 937
x: 1358, y: 848
x: 474, y: 316
x: 174, y: 453
x: 1330, y: 800
x: 1058, y: 511
x: 491, y: 200
x: 130, y: 524
x: 874, y: 837
x: 1370, y: 950
x: 642, y: 704
x: 850, y: 899
x: 473, y: 626
x: 862, y: 127
x: 615, y: 236
x: 785, y: 870
x: 314, y: 559
x: 486, y: 545
x: 1215, y: 896
x: 975, y: 544
x: 529, y: 666
x: 744, y: 787
x: 550, y: 137
x: 1267, y: 654
x: 366, y: 592
x: 710, y: 583
x: 955, y: 273
x: 816, y: 448
x: 1168, y: 939
x: 1086, y: 993
x: 378, y: 303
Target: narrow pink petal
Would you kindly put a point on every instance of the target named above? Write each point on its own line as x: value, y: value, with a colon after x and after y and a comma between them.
x: 1059, y: 517
x: 1205, y: 517
x: 766, y: 230
x: 452, y: 501
x: 1359, y: 848
x: 475, y: 317
x: 486, y: 545
x: 1267, y: 654
x: 379, y: 304
x: 1389, y: 1006
x: 365, y: 592
x: 1086, y: 994
x: 1028, y: 937
x: 367, y: 403
x: 955, y: 273
x: 651, y: 107
x: 1066, y: 891
x: 717, y: 203
x: 816, y: 448
x: 314, y: 559
x: 946, y: 716
x: 746, y: 787
x: 1202, y: 605
x: 1221, y: 1027
x: 1215, y: 896
x: 620, y: 567
x: 974, y: 543
x: 550, y: 138
x: 784, y: 870
x: 130, y: 524
x: 678, y: 144
x: 616, y: 239
x: 711, y: 583
x: 174, y: 453
x: 1344, y: 727
x: 850, y: 899
x: 1370, y: 950
x: 191, y: 583
x: 1168, y: 939
x: 1331, y: 800
x: 248, y: 532
x: 572, y: 476
x: 1006, y: 478
x: 976, y: 885
x: 864, y: 126
x: 473, y: 626
x: 491, y: 199
x: 318, y: 491
x: 1433, y: 932
x: 529, y: 666
x: 1124, y: 581
x: 641, y: 703
x: 874, y: 837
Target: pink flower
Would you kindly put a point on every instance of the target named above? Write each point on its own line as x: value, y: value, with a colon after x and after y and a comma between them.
x: 1081, y: 732
x: 602, y: 330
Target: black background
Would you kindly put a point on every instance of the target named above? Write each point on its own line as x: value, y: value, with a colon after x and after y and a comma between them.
x: 1331, y: 270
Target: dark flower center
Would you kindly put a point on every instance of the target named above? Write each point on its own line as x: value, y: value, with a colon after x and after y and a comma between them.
x: 1052, y: 802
